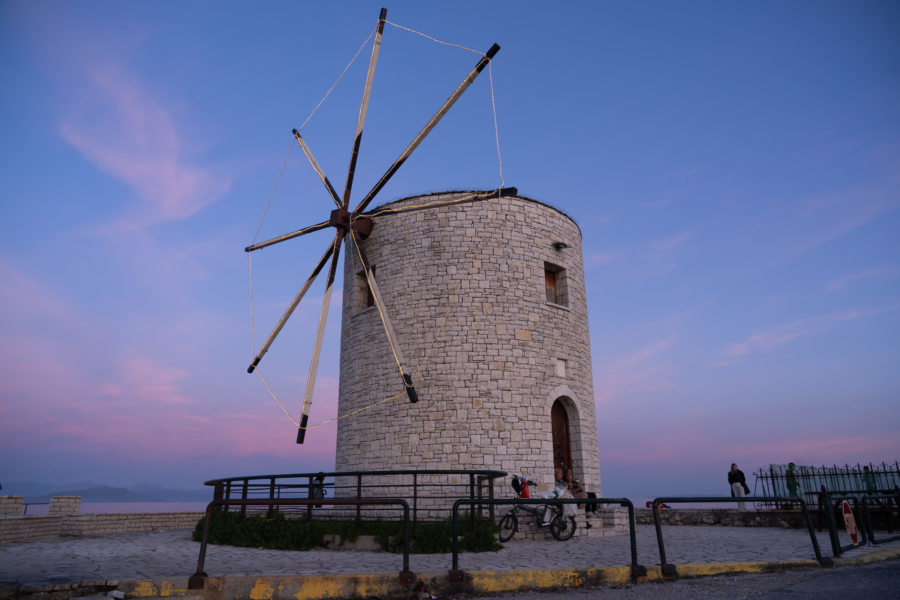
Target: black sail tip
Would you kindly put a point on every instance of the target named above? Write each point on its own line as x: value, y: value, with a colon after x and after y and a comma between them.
x: 410, y: 390
x: 301, y: 431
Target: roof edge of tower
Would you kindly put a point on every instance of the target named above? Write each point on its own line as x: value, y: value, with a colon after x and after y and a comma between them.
x: 449, y: 192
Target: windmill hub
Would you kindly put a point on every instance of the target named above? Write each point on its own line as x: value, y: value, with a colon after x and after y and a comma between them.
x: 341, y: 218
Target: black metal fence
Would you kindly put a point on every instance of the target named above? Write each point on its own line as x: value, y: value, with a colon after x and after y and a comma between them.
x: 198, y: 580
x: 430, y: 493
x: 637, y: 570
x: 669, y: 570
x: 783, y: 482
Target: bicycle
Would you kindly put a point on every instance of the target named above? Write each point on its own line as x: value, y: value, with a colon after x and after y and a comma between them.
x: 561, y: 526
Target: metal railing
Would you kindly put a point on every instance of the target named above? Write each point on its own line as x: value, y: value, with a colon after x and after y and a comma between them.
x: 457, y: 575
x: 669, y: 570
x: 428, y: 491
x: 27, y: 504
x: 808, y: 481
x: 827, y: 499
x: 198, y: 579
x: 888, y: 505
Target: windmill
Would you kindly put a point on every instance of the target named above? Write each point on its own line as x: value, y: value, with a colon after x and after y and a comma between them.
x: 353, y: 226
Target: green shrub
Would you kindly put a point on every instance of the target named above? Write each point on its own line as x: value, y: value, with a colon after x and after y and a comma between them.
x: 274, y: 531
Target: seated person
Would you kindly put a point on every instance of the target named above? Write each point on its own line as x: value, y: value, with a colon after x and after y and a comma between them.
x: 560, y: 490
x: 578, y: 491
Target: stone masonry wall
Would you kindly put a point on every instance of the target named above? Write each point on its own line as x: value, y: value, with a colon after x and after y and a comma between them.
x: 64, y: 505
x: 43, y: 528
x: 464, y: 286
x: 106, y: 524
x: 11, y: 505
x: 29, y: 529
x: 723, y: 516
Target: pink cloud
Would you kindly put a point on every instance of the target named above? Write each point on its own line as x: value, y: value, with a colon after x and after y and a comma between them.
x: 22, y: 295
x: 821, y: 449
x: 777, y: 335
x: 141, y: 379
x: 830, y: 217
x: 875, y: 273
x: 630, y: 373
x: 603, y: 258
x: 670, y: 243
x: 116, y: 123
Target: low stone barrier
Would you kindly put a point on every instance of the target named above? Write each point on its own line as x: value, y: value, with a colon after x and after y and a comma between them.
x: 17, y: 529
x: 11, y: 505
x: 106, y: 524
x: 792, y: 519
x: 29, y: 529
x: 64, y: 505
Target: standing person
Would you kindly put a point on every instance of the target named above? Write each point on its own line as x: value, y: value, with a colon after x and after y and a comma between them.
x: 738, y: 484
x: 792, y: 480
x: 318, y: 488
x: 869, y: 481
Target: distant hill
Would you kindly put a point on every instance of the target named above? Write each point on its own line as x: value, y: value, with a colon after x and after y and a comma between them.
x: 93, y: 492
x: 101, y: 493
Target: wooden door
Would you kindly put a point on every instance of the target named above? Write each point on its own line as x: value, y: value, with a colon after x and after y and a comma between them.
x: 562, y: 453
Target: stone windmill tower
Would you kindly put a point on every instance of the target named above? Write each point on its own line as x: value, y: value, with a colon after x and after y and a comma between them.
x: 487, y: 302
x: 481, y: 297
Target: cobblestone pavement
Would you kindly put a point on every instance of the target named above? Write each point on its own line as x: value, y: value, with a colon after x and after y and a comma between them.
x: 173, y: 553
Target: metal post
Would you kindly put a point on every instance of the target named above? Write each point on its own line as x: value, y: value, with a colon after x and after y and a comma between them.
x: 659, y: 536
x: 812, y: 533
x: 309, y: 490
x: 415, y: 499
x: 825, y: 498
x: 405, y: 542
x: 358, y: 497
x: 454, y: 535
x: 472, y: 497
x: 491, y: 498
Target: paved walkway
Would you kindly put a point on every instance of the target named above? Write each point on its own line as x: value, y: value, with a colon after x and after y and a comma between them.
x: 174, y: 554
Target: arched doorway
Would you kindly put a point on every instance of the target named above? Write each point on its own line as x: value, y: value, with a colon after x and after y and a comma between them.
x: 562, y: 447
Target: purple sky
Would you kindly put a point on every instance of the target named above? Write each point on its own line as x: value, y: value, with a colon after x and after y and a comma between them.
x: 734, y: 169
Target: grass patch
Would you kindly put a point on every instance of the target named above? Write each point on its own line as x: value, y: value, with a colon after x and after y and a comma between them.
x: 273, y: 530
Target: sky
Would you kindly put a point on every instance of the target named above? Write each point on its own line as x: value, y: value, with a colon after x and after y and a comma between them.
x: 734, y: 169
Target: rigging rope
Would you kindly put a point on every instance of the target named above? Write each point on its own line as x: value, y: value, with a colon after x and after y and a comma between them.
x: 496, y: 129
x: 429, y: 204
x: 275, y: 187
x: 434, y: 39
x: 333, y: 85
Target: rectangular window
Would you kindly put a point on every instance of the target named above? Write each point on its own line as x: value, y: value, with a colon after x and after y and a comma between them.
x: 363, y: 297
x: 555, y: 284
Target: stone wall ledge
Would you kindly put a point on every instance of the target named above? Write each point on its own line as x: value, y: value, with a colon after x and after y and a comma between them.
x: 729, y: 517
x: 50, y: 527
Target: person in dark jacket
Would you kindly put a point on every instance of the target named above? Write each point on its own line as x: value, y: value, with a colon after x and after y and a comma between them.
x: 738, y: 485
